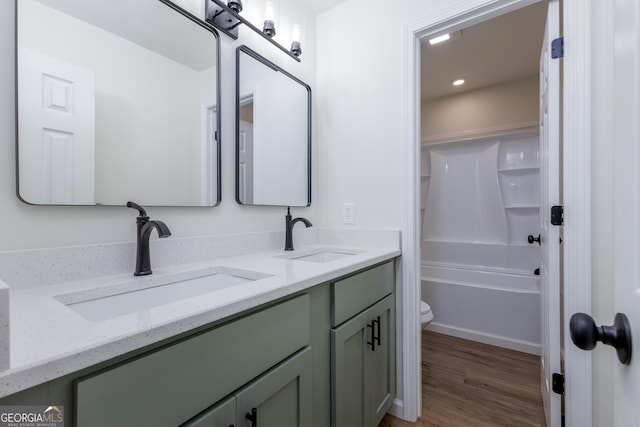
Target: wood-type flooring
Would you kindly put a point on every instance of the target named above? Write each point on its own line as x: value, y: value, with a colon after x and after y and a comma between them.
x: 470, y: 384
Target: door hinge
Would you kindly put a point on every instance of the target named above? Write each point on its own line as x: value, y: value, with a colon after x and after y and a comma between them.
x: 557, y: 215
x: 557, y: 383
x: 557, y: 48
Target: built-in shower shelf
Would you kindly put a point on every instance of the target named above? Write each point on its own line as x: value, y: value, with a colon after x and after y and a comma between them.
x: 425, y: 177
x: 526, y: 169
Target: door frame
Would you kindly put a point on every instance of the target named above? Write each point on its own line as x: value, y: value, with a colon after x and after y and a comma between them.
x: 576, y: 15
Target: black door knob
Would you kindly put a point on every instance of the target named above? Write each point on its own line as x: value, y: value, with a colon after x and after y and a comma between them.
x: 585, y: 334
x: 532, y: 239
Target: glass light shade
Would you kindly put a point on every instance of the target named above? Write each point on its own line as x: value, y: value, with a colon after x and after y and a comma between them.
x: 271, y: 11
x: 296, y: 33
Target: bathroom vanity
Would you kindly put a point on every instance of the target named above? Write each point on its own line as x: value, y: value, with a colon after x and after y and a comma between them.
x: 310, y: 340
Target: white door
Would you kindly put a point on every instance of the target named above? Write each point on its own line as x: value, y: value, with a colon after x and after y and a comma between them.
x: 209, y: 156
x: 550, y: 234
x: 56, y: 130
x: 245, y: 162
x: 626, y: 208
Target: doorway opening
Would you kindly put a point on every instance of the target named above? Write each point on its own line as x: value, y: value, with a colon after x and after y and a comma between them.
x: 577, y: 195
x: 480, y: 180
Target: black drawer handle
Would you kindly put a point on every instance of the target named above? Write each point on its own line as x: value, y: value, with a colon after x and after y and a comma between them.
x: 372, y: 343
x: 253, y: 417
x: 375, y: 333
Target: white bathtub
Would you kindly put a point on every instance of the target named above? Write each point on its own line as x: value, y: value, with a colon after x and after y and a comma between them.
x: 499, y: 307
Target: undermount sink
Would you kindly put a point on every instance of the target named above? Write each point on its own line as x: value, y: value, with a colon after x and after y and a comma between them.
x: 321, y: 255
x: 123, y: 300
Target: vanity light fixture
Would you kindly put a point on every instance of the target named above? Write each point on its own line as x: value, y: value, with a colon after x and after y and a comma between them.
x: 235, y: 5
x: 296, y: 47
x: 269, y: 28
x: 225, y: 18
x: 458, y: 82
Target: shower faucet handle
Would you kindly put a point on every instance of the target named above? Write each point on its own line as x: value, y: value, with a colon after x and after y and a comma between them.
x: 532, y: 239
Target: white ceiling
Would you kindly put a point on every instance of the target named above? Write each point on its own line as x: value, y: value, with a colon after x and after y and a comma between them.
x: 500, y: 50
x: 319, y: 6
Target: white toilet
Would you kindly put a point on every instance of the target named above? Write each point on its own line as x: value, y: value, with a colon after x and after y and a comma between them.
x: 426, y: 316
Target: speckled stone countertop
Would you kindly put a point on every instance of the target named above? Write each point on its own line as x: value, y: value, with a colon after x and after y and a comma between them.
x: 49, y: 340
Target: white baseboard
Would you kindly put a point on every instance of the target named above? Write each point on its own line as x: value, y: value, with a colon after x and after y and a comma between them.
x: 499, y: 341
x: 397, y: 410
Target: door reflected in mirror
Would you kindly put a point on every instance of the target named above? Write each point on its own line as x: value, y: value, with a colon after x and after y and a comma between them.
x: 117, y: 100
x: 273, y: 134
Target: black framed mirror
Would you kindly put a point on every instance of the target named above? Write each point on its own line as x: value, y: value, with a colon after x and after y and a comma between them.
x: 273, y: 134
x: 117, y: 100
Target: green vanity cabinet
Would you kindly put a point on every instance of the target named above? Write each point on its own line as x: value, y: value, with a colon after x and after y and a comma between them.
x: 363, y: 349
x: 171, y: 385
x: 222, y: 414
x: 282, y: 397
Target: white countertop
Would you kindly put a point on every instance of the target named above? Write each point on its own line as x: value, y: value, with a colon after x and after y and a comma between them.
x: 49, y: 340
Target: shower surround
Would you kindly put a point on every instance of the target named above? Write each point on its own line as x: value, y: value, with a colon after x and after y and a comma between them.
x: 480, y: 200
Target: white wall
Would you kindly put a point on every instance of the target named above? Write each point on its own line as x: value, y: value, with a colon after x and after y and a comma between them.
x: 25, y: 226
x: 507, y: 105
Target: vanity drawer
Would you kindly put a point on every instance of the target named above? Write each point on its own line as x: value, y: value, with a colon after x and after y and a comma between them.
x: 356, y: 293
x: 171, y: 385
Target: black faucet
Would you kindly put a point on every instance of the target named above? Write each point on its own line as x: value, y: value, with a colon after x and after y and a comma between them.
x: 288, y: 233
x: 143, y: 258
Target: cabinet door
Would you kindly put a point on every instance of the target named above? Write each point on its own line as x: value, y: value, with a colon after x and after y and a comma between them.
x: 348, y: 349
x: 363, y: 367
x: 380, y: 378
x: 281, y: 397
x: 222, y: 414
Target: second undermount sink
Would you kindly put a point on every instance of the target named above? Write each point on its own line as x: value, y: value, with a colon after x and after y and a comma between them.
x: 321, y: 255
x: 122, y: 300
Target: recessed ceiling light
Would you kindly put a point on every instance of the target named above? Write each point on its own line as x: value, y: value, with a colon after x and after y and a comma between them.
x: 444, y: 37
x: 439, y: 39
x: 458, y: 82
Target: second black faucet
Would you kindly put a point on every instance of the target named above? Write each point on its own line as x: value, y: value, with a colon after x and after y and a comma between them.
x: 288, y: 231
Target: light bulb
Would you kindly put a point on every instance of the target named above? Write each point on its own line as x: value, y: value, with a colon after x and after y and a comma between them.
x: 269, y: 13
x: 295, y: 33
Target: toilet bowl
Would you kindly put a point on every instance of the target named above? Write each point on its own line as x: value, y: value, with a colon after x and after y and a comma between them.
x: 426, y: 316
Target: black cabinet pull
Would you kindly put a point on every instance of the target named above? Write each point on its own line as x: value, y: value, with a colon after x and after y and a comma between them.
x: 375, y: 333
x: 372, y: 343
x: 253, y: 417
x: 532, y: 239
